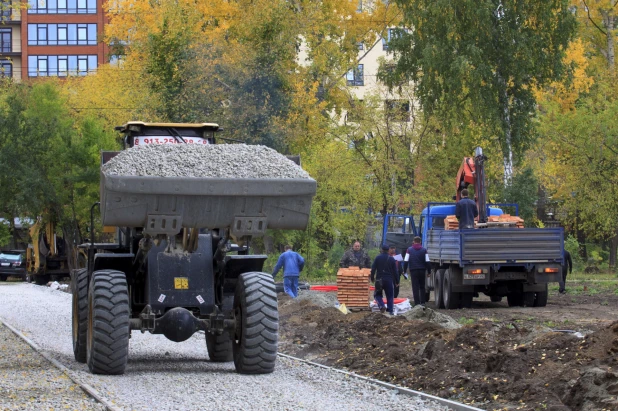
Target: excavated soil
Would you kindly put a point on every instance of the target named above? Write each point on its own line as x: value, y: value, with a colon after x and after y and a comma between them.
x: 500, y: 359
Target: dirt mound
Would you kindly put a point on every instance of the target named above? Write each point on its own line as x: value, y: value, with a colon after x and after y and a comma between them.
x: 491, y: 364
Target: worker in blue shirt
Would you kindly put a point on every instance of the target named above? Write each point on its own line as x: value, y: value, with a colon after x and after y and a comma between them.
x: 466, y: 210
x: 292, y: 264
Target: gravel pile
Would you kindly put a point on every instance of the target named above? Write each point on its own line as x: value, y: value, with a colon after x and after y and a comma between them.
x: 164, y: 375
x: 211, y: 161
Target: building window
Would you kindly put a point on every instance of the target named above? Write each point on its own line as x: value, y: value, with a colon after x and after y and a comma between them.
x: 6, y: 44
x: 5, y: 10
x: 361, y: 46
x: 62, y: 7
x: 391, y: 34
x: 62, y: 34
x: 6, y: 68
x: 397, y: 110
x: 354, y: 77
x: 62, y: 66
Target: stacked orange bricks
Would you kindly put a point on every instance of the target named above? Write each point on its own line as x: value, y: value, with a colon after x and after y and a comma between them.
x: 451, y: 222
x: 353, y: 286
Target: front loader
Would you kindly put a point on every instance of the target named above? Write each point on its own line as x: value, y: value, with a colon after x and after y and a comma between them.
x: 181, y: 261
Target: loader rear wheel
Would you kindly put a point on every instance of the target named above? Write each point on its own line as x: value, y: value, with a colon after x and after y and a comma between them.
x: 437, y: 288
x: 257, y: 324
x: 451, y: 299
x: 79, y: 291
x: 108, y: 323
x: 219, y: 347
x: 540, y: 299
x: 41, y: 279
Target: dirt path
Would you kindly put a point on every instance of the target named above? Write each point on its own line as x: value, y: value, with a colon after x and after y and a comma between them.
x: 501, y: 357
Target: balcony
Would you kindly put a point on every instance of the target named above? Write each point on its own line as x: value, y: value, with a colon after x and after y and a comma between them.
x: 9, y: 15
x: 7, y: 49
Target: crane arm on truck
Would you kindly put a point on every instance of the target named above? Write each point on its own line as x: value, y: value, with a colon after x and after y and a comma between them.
x: 472, y: 171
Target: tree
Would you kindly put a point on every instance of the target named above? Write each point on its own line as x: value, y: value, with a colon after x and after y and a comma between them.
x: 475, y: 64
x: 599, y: 25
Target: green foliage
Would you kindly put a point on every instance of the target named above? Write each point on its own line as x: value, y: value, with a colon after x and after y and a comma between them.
x: 523, y: 190
x: 5, y: 233
x: 474, y: 64
x: 466, y: 321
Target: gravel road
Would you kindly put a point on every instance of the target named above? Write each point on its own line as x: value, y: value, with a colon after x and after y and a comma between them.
x: 164, y: 375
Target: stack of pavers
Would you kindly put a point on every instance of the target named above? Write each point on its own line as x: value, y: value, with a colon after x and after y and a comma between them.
x: 504, y: 220
x: 353, y: 287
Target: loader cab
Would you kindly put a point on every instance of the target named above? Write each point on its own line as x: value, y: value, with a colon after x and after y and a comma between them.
x: 139, y: 133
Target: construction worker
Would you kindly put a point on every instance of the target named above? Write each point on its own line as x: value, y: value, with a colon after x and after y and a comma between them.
x: 466, y: 210
x: 392, y: 251
x: 568, y: 264
x: 355, y: 257
x: 416, y: 261
x: 383, y: 272
x: 292, y: 264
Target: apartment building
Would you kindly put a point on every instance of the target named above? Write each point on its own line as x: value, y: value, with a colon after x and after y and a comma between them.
x: 43, y: 38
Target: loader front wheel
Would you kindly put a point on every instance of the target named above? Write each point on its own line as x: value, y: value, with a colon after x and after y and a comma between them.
x: 257, y: 324
x: 219, y: 347
x: 79, y: 291
x: 108, y: 323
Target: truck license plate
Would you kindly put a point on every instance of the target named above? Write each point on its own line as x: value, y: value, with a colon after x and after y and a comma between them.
x: 5, y: 264
x: 474, y: 276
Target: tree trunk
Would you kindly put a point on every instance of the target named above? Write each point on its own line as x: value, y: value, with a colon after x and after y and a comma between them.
x: 507, y: 148
x: 609, y: 23
x: 613, y: 250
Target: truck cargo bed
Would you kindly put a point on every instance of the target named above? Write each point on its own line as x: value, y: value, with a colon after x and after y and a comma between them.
x: 495, y: 245
x: 163, y: 205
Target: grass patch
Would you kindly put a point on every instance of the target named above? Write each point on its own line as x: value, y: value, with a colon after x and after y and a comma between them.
x: 465, y: 321
x: 550, y: 324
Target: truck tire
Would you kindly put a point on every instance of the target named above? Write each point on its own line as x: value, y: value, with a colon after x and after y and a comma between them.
x: 41, y: 279
x: 219, y: 347
x: 257, y: 324
x: 437, y: 288
x: 528, y: 298
x: 515, y: 299
x: 108, y: 323
x: 540, y: 299
x: 450, y: 298
x: 79, y: 291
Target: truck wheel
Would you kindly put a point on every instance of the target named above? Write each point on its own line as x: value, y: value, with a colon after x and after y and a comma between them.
x: 42, y: 279
x: 540, y: 299
x: 495, y: 298
x: 450, y: 298
x: 108, y: 323
x: 528, y: 298
x: 257, y: 324
x: 79, y: 291
x: 515, y: 299
x: 437, y: 288
x: 219, y: 347
x: 466, y: 299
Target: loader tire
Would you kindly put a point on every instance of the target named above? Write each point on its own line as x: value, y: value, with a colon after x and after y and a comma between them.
x: 219, y: 347
x: 41, y: 279
x: 79, y: 291
x: 437, y: 288
x: 257, y: 324
x: 108, y: 323
x: 450, y: 298
x: 540, y: 299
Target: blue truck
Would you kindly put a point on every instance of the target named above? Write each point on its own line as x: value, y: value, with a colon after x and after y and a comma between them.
x: 494, y: 259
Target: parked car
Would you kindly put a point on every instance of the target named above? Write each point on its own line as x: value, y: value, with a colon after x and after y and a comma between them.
x: 12, y: 263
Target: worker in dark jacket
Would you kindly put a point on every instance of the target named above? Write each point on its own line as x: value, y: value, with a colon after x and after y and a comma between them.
x: 567, y: 264
x: 383, y: 272
x: 292, y: 264
x: 416, y: 261
x: 355, y: 257
x: 392, y: 251
x: 466, y: 210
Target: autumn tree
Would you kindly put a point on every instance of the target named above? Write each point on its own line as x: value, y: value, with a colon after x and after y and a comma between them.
x: 476, y: 63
